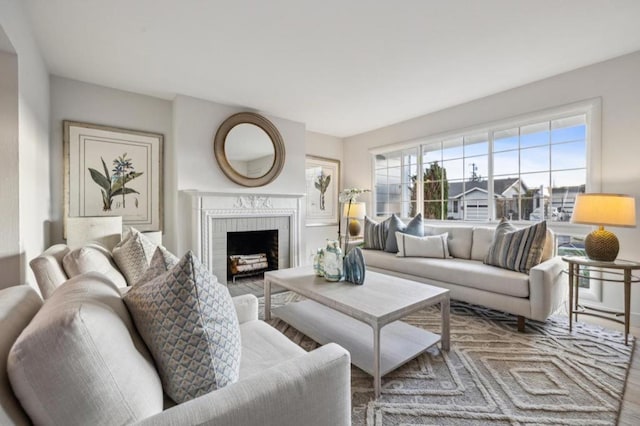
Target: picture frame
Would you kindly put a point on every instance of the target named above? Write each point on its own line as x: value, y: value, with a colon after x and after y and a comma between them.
x: 322, y: 192
x: 111, y: 171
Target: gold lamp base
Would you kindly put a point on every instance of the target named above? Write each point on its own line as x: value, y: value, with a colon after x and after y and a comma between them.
x: 602, y: 245
x: 354, y: 227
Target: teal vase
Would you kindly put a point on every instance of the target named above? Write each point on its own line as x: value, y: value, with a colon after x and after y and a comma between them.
x: 333, y: 261
x: 318, y: 263
x: 354, y: 266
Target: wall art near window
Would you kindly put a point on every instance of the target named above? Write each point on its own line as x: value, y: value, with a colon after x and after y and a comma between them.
x: 323, y: 181
x: 113, y: 172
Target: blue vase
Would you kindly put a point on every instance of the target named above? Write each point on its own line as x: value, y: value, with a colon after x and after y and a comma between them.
x: 354, y: 266
x: 318, y: 262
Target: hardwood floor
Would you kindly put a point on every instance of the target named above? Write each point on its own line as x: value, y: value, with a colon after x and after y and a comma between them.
x: 630, y: 413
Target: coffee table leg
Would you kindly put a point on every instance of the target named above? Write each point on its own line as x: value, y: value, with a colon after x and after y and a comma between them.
x: 376, y: 362
x: 445, y: 338
x: 267, y: 299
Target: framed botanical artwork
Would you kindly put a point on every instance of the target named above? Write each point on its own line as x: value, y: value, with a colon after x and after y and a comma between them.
x: 113, y: 172
x: 323, y: 180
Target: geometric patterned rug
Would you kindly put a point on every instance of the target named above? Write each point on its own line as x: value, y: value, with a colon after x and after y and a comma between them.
x: 493, y: 374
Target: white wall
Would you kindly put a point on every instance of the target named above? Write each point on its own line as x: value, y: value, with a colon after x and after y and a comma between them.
x: 327, y: 146
x: 33, y: 136
x: 195, y: 122
x: 78, y: 101
x: 616, y: 81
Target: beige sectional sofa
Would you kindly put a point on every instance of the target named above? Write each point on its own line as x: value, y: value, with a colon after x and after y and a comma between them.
x: 535, y: 296
x: 77, y: 359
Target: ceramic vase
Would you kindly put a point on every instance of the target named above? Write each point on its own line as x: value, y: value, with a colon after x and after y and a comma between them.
x: 354, y: 266
x: 333, y: 261
x: 318, y: 262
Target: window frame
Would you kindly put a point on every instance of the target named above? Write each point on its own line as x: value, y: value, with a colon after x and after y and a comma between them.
x: 591, y: 108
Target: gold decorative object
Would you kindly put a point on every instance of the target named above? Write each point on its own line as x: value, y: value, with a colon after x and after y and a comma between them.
x: 354, y: 211
x: 601, y: 210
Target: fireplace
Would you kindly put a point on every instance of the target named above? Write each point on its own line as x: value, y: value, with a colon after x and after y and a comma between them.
x: 213, y: 216
x: 251, y: 253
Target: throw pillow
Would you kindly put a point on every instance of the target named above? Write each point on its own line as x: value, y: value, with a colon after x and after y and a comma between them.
x: 161, y: 262
x: 517, y: 249
x: 133, y: 255
x: 414, y: 227
x: 188, y: 321
x: 375, y: 234
x: 92, y: 258
x: 429, y: 246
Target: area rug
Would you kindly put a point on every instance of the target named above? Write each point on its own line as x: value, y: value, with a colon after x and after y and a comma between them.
x: 493, y: 374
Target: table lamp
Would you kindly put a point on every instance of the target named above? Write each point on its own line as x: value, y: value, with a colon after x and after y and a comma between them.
x: 601, y: 210
x: 354, y: 211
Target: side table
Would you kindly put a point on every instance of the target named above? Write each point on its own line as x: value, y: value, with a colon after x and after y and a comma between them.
x: 579, y: 266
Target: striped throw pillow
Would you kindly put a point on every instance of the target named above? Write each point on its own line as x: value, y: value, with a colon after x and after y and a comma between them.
x: 517, y: 249
x: 375, y: 234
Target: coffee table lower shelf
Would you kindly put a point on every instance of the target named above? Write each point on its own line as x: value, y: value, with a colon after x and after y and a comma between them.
x: 399, y: 342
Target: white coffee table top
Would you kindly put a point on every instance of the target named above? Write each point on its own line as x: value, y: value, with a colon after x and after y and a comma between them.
x: 380, y: 300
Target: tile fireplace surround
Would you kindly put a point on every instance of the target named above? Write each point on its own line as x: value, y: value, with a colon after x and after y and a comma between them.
x: 213, y: 214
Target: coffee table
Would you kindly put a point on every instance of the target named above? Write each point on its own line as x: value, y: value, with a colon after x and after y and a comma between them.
x: 354, y: 316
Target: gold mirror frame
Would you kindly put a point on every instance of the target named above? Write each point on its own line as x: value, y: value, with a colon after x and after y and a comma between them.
x: 273, y: 133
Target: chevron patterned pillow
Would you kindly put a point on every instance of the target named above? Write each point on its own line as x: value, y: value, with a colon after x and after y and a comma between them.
x: 188, y: 321
x: 133, y: 255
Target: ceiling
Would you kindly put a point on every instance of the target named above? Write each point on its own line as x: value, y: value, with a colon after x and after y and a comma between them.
x: 342, y: 67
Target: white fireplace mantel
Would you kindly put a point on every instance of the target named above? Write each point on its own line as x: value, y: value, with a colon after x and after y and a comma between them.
x: 213, y: 214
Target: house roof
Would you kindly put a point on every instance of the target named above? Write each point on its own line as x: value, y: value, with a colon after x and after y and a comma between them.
x: 499, y: 186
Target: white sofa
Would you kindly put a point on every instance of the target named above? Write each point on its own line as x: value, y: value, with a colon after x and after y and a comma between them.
x: 535, y: 296
x: 279, y: 384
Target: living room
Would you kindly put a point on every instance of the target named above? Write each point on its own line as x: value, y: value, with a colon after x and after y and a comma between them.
x: 51, y: 72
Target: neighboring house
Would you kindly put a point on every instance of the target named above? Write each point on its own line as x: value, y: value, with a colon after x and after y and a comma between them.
x: 470, y: 200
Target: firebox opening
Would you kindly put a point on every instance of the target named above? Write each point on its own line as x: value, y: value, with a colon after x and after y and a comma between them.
x: 251, y: 253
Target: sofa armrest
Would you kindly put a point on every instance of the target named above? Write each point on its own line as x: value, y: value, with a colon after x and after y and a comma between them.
x: 547, y: 288
x: 246, y: 307
x: 312, y: 390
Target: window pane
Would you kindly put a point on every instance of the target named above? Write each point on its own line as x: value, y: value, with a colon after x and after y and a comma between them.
x: 505, y: 140
x: 394, y: 159
x: 452, y: 149
x: 572, y: 155
x: 435, y: 210
x: 381, y: 161
x: 454, y: 210
x: 476, y: 145
x: 434, y: 190
x: 569, y: 178
x: 454, y: 169
x: 476, y: 206
x: 431, y: 153
x: 476, y: 169
x: 563, y: 198
x: 505, y: 163
x: 535, y: 181
x: 534, y: 159
x: 569, y: 129
x: 534, y: 135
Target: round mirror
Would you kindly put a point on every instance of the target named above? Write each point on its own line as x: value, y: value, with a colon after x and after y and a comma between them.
x: 249, y: 149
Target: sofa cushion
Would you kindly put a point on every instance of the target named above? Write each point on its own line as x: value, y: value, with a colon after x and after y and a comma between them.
x: 81, y: 362
x: 188, y: 320
x: 460, y: 239
x: 263, y: 347
x: 18, y: 305
x: 375, y: 234
x: 93, y: 258
x: 429, y: 246
x: 517, y: 249
x: 481, y: 241
x: 414, y: 227
x: 463, y: 272
x: 48, y: 269
x: 133, y: 255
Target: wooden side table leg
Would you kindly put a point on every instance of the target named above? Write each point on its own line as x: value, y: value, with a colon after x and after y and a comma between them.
x: 627, y: 303
x: 267, y: 299
x: 445, y: 338
x: 570, y: 297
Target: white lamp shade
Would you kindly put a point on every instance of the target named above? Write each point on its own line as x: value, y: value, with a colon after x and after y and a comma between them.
x: 355, y: 210
x: 104, y: 230
x: 605, y: 210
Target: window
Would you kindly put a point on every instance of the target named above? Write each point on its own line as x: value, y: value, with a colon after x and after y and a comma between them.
x: 529, y: 169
